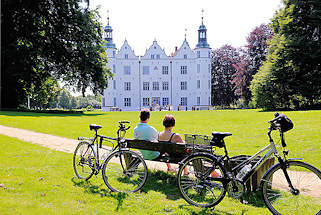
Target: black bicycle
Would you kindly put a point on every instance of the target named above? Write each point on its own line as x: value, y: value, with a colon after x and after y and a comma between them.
x: 122, y: 170
x: 288, y: 186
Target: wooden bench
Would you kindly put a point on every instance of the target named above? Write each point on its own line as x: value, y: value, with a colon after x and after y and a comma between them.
x: 176, y: 151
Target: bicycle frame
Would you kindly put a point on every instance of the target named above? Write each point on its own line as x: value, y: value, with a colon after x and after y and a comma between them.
x: 231, y: 173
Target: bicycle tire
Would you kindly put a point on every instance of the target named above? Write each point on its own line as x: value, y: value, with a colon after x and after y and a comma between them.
x: 84, y: 160
x: 124, y: 171
x: 201, y: 192
x: 306, y: 196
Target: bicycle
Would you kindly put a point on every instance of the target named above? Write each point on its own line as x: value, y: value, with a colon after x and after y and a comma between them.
x: 122, y: 170
x: 283, y: 192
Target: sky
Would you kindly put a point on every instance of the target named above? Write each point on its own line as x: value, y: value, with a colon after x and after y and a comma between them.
x: 167, y: 21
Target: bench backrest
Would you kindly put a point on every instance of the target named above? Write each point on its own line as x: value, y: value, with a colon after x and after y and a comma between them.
x: 161, y: 146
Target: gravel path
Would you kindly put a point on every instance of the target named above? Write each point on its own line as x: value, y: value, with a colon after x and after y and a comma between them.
x: 68, y: 145
x: 57, y: 143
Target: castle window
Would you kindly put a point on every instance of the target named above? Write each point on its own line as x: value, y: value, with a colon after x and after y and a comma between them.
x: 198, y: 54
x: 185, y: 56
x: 145, y: 85
x: 157, y: 56
x: 145, y: 101
x: 145, y: 70
x: 114, y: 84
x: 152, y: 56
x: 183, y: 85
x: 115, y: 104
x: 127, y: 70
x: 165, y: 85
x: 183, y: 70
x: 155, y: 85
x: 114, y: 68
x: 126, y: 56
x: 198, y: 68
x: 127, y: 86
x: 183, y: 101
x: 198, y: 84
x: 198, y: 100
x: 165, y: 70
x: 127, y: 102
x: 165, y: 101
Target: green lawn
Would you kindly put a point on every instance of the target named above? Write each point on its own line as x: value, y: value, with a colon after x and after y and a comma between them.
x: 36, y: 180
x: 249, y: 127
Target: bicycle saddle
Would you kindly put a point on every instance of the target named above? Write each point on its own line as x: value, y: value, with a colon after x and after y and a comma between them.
x: 94, y: 127
x: 220, y: 135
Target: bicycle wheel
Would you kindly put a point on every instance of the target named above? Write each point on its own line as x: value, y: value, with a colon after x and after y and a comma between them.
x: 84, y: 160
x: 305, y: 198
x: 124, y: 171
x: 199, y: 189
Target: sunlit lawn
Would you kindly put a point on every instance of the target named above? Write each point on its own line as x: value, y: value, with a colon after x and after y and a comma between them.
x: 249, y: 127
x: 36, y: 180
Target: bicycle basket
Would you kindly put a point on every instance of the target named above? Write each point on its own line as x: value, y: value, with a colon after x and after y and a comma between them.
x: 197, y: 139
x: 198, y: 143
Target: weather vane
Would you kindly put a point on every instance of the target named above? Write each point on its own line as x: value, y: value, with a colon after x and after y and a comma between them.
x: 185, y: 32
x: 202, y: 15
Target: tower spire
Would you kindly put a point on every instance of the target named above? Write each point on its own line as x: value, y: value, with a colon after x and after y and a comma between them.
x: 107, y: 17
x: 202, y: 37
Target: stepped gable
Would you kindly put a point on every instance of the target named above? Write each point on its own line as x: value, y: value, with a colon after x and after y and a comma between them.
x: 184, y: 51
x: 154, y: 51
x: 126, y: 50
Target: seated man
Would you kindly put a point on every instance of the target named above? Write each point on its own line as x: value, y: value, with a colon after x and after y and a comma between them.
x: 145, y: 132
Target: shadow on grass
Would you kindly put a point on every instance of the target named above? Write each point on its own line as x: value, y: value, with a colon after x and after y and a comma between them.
x: 89, y: 187
x: 48, y: 114
x: 162, y: 182
x: 254, y: 199
x: 207, y: 211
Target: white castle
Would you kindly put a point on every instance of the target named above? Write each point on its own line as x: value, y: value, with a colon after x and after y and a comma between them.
x: 156, y: 80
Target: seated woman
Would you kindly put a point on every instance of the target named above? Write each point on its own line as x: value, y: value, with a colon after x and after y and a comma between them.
x: 168, y: 135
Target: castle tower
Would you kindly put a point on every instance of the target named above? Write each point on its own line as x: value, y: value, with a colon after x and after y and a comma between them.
x: 203, y: 59
x: 109, y: 34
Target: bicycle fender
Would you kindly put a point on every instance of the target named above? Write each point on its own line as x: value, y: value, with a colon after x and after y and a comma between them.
x: 197, y: 154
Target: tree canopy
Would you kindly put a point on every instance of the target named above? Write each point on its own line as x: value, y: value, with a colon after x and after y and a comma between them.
x: 253, y: 55
x: 45, y: 40
x: 223, y: 70
x: 291, y: 75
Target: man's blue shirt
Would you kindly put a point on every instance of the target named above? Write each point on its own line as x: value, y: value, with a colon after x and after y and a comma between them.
x: 145, y: 132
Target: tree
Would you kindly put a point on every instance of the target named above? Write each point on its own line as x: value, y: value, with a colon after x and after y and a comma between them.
x: 44, y: 40
x: 291, y: 75
x: 242, y: 80
x: 223, y: 70
x: 64, y: 99
x: 253, y: 56
x: 43, y: 94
